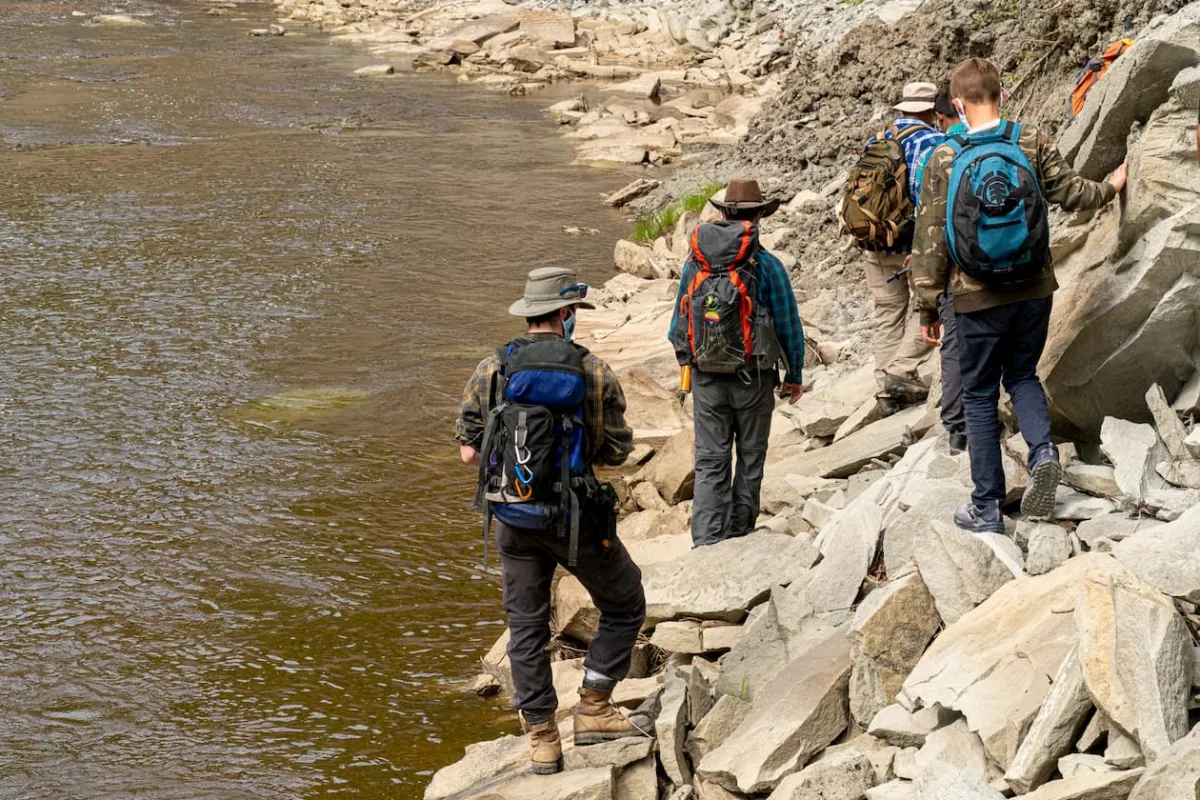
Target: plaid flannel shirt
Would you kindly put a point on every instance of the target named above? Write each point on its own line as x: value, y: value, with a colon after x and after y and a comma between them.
x: 610, y: 439
x: 917, y: 147
x: 776, y: 293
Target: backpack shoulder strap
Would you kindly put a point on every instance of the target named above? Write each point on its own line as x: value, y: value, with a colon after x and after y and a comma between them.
x: 1011, y: 131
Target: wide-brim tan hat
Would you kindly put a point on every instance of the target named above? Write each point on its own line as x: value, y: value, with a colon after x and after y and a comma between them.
x: 745, y: 195
x: 918, y: 97
x: 548, y: 289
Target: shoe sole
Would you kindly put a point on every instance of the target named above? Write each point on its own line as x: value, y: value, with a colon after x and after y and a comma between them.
x: 548, y: 769
x: 588, y: 739
x: 974, y: 529
x: 1040, y: 495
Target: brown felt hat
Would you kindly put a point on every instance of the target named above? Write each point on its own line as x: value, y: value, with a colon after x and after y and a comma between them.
x: 549, y: 289
x: 744, y: 195
x: 918, y: 97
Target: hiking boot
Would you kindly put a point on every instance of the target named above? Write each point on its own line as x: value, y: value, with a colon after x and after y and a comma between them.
x: 906, y: 390
x: 597, y: 720
x: 886, y: 406
x: 958, y: 442
x: 1044, y: 474
x: 545, y: 748
x: 980, y: 519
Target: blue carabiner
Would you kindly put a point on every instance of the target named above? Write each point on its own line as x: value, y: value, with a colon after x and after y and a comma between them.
x: 524, y: 474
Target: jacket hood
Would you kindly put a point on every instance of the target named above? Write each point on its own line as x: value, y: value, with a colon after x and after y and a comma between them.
x: 722, y: 244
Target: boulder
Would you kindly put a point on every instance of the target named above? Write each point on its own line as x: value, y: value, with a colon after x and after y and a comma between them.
x: 760, y: 655
x: 1054, y: 730
x: 630, y: 192
x: 646, y: 86
x: 1115, y: 526
x: 634, y: 259
x: 653, y: 410
x: 375, y: 70
x: 1175, y: 775
x: 1095, y: 731
x: 845, y: 774
x: 821, y: 416
x: 720, y: 638
x: 1074, y: 765
x: 711, y: 732
x: 1167, y: 556
x: 477, y: 31
x: 678, y: 637
x: 848, y: 545
x: 673, y: 470
x: 664, y: 524
x: 905, y: 535
x: 943, y: 781
x: 1070, y: 505
x: 890, y: 632
x: 616, y: 754
x: 797, y: 716
x: 1116, y: 326
x: 1134, y: 449
x: 483, y: 763
x: 700, y: 682
x: 647, y: 498
x: 846, y: 457
x: 638, y: 781
x: 721, y: 581
x: 1123, y: 751
x: 574, y: 612
x: 994, y: 664
x: 1136, y: 655
x: 1093, y: 479
x: 735, y: 112
x: 671, y: 729
x: 898, y: 726
x: 1129, y: 92
x: 957, y: 746
x: 1097, y: 786
x: 894, y: 790
x: 962, y: 570
x: 553, y: 28
x: 1049, y: 548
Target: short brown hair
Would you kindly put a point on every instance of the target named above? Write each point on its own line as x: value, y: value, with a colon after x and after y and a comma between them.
x: 976, y: 80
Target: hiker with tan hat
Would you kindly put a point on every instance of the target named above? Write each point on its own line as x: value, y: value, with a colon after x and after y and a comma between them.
x: 735, y: 323
x: 536, y: 416
x: 878, y: 208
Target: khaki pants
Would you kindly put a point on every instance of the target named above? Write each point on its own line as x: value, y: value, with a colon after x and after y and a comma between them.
x: 899, y: 348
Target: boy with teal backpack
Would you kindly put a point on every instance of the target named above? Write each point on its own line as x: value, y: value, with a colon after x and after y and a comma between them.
x: 983, y: 231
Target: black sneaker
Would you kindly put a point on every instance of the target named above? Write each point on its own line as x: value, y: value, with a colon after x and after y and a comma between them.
x: 958, y: 442
x: 980, y: 519
x: 1044, y: 474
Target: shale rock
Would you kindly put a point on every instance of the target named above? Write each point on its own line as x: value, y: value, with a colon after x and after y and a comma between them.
x: 1166, y: 556
x: 1175, y: 775
x: 673, y: 470
x: 1098, y: 786
x: 942, y: 782
x: 671, y: 729
x: 1054, y: 729
x: 843, y: 775
x: 962, y: 570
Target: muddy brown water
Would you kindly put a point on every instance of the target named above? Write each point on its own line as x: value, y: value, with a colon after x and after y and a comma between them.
x: 240, y: 293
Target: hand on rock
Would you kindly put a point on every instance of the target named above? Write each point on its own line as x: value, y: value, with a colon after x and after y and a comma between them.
x: 1119, y: 175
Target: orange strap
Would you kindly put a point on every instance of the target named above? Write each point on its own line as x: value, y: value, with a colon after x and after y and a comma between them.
x: 744, y: 290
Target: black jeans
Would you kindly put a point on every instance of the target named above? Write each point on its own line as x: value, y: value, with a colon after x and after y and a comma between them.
x: 1002, y: 345
x: 953, y: 417
x: 528, y: 559
x: 729, y: 411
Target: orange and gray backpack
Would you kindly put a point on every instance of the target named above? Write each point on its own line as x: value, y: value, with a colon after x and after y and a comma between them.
x: 1094, y: 70
x: 727, y: 329
x: 876, y: 206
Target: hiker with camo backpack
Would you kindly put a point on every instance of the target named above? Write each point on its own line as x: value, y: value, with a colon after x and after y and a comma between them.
x: 536, y: 416
x: 877, y: 211
x: 983, y: 229
x: 735, y: 322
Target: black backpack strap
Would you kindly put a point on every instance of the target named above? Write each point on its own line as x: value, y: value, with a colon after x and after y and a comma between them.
x: 495, y: 404
x: 568, y: 519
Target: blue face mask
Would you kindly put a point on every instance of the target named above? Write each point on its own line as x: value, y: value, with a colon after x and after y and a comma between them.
x: 569, y: 327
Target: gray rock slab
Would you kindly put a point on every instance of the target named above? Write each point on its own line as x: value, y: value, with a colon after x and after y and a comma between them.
x: 1175, y: 775
x: 1049, y: 548
x: 1095, y: 479
x: 956, y: 745
x: 711, y: 732
x: 678, y: 637
x: 617, y: 754
x: 893, y: 790
x: 1116, y: 527
x: 1136, y: 656
x: 1097, y: 786
x: 898, y: 726
x: 943, y: 781
x: 848, y: 546
x: 960, y: 570
x: 995, y: 664
x: 1167, y: 556
x: 846, y: 457
x: 1073, y: 506
x: 843, y: 775
x: 1055, y: 729
x: 1074, y: 765
x: 638, y: 781
x: 671, y: 729
x: 797, y: 716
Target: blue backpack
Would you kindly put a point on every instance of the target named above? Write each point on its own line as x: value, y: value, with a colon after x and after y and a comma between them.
x: 533, y: 462
x: 997, y: 228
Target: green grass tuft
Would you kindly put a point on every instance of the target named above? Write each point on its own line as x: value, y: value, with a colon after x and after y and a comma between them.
x: 649, y: 227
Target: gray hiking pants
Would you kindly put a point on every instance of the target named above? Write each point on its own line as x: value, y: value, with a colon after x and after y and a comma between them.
x: 731, y: 411
x: 528, y: 559
x: 953, y: 418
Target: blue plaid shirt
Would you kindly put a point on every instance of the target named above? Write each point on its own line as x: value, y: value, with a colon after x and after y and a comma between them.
x: 776, y: 293
x: 917, y: 148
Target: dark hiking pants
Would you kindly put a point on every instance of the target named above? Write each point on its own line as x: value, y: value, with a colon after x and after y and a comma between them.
x: 1002, y: 345
x: 730, y: 411
x: 954, y: 420
x: 528, y: 559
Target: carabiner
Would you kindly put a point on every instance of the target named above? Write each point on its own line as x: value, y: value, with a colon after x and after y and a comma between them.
x: 524, y: 473
x: 524, y: 491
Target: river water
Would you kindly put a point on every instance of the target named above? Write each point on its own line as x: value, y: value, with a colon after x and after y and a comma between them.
x: 241, y: 292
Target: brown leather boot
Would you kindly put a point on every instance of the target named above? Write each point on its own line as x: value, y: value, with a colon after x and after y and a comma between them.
x: 545, y: 748
x: 597, y: 720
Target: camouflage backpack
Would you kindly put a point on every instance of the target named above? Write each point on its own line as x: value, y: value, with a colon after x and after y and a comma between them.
x: 875, y: 203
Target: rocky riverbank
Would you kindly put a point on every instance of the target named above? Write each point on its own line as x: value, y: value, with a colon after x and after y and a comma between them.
x: 864, y: 647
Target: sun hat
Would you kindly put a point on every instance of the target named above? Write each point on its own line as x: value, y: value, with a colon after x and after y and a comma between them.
x: 744, y: 195
x: 548, y: 289
x: 918, y: 97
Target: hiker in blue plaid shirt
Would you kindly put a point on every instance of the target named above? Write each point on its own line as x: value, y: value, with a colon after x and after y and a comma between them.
x: 899, y: 347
